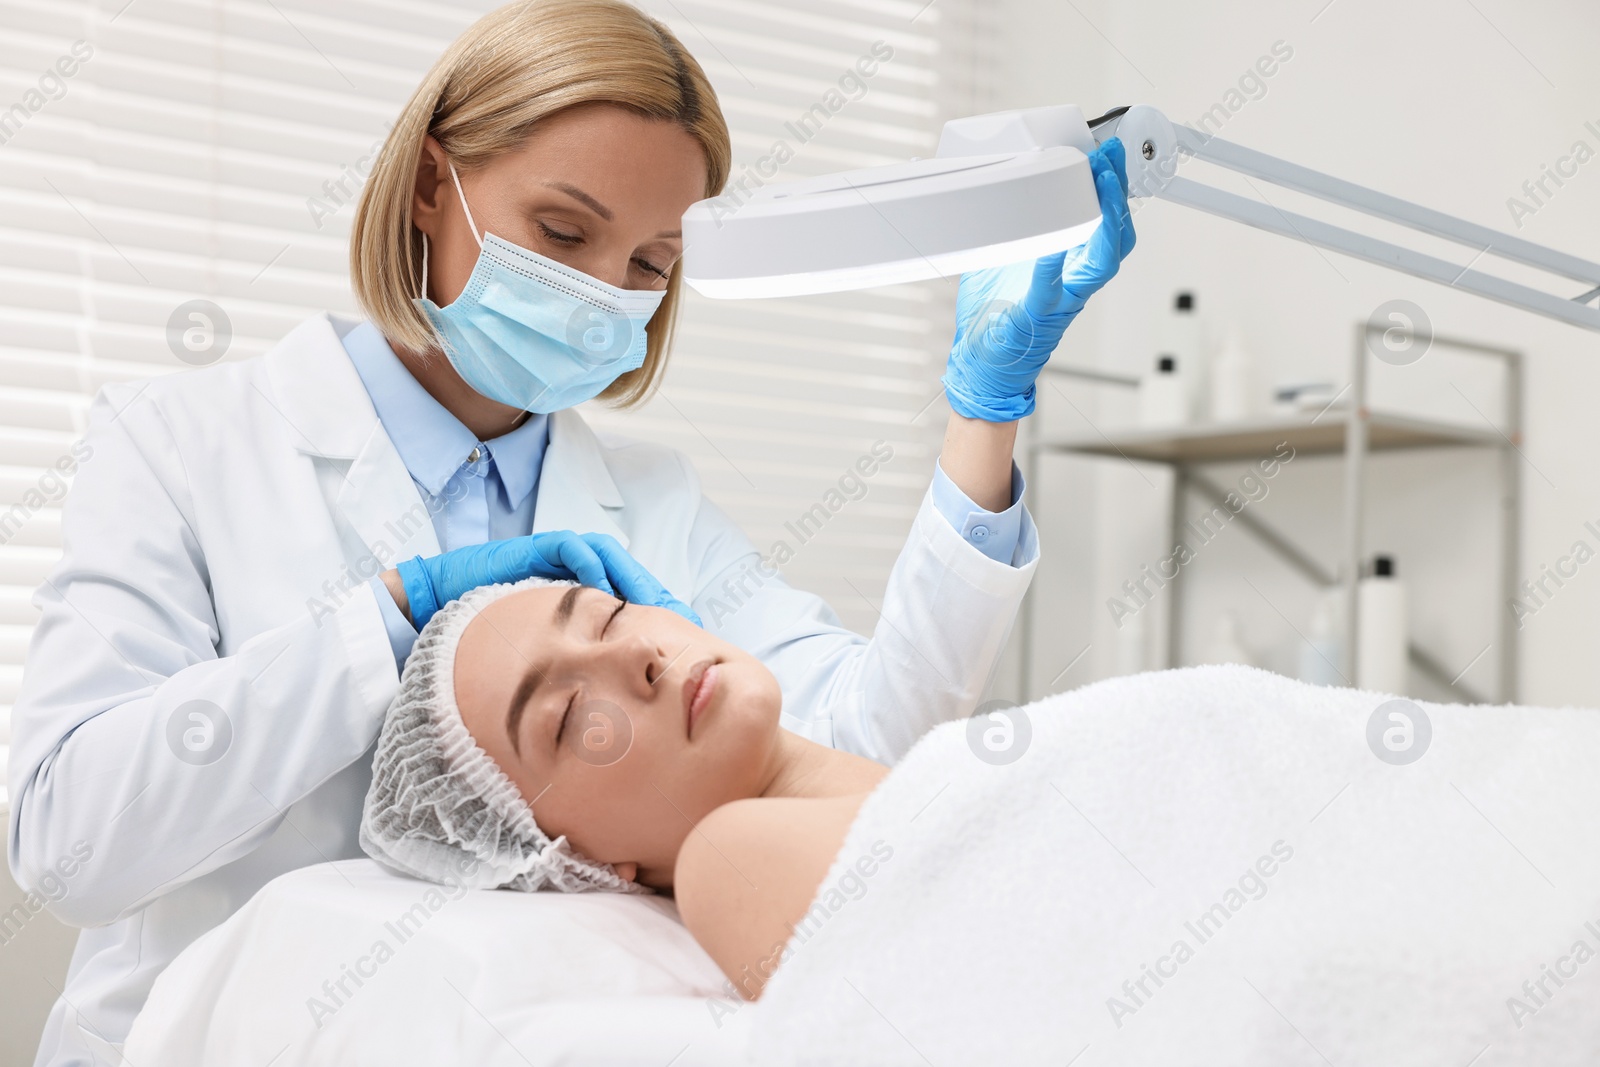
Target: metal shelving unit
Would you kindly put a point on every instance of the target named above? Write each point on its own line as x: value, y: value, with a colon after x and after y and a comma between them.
x: 1348, y: 427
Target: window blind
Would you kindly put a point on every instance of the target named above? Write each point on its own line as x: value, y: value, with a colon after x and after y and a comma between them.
x: 777, y: 400
x: 158, y: 152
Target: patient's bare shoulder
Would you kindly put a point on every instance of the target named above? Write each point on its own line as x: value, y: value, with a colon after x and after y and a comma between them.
x: 748, y: 872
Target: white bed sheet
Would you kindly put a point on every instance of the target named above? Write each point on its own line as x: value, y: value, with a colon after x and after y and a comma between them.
x: 488, y: 978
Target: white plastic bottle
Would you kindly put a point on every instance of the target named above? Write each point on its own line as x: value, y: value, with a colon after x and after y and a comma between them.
x: 1226, y: 645
x: 1183, y: 335
x: 1323, y: 648
x: 1132, y: 655
x: 1232, y: 382
x: 1163, y: 395
x: 1186, y: 345
x: 1381, y: 663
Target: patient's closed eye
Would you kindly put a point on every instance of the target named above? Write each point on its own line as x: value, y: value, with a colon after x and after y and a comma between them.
x: 561, y: 727
x: 566, y: 714
x: 613, y: 617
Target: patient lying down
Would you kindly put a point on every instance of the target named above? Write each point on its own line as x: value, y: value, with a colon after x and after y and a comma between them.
x: 549, y: 735
x: 1176, y: 864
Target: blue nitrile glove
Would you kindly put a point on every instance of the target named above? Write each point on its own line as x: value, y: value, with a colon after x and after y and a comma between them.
x: 1002, y: 341
x: 593, y: 559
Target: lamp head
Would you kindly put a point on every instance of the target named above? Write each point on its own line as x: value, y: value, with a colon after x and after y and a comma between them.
x: 1003, y: 188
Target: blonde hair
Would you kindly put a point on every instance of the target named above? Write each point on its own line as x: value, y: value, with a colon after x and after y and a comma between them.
x: 511, y: 69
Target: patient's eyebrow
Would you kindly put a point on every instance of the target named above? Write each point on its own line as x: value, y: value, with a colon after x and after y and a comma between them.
x: 533, y: 675
x: 569, y: 601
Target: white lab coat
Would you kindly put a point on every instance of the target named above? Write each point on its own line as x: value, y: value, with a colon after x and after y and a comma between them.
x: 217, y: 545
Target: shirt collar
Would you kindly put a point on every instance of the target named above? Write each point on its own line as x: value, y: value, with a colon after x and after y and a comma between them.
x: 433, y: 443
x: 518, y: 455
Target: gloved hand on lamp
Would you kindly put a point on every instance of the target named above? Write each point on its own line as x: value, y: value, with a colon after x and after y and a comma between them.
x: 1000, y: 346
x: 593, y: 559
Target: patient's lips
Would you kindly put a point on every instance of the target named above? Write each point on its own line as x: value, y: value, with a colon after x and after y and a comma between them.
x: 698, y: 689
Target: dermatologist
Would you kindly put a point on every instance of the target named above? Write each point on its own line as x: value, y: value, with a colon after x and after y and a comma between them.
x: 250, y: 549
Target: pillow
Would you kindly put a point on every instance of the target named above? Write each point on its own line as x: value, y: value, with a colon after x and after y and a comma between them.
x: 348, y: 963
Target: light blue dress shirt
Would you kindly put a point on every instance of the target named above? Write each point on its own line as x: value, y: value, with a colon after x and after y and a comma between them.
x: 480, y: 491
x: 994, y: 533
x: 475, y: 491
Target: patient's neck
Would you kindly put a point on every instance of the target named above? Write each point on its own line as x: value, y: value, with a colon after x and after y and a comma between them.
x: 803, y: 768
x: 795, y: 768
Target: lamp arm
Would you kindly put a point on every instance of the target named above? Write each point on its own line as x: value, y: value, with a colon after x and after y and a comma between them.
x: 1156, y: 148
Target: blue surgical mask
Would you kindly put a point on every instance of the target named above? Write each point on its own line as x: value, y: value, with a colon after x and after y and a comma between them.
x: 536, y: 334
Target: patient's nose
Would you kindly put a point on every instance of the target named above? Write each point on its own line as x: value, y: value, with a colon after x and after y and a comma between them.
x: 635, y: 661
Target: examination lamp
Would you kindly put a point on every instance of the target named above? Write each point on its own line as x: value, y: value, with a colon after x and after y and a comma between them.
x: 1015, y: 185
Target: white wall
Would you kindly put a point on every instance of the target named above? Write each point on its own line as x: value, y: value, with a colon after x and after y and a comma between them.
x: 1448, y: 104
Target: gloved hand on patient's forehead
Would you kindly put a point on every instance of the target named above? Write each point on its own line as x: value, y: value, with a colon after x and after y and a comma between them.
x: 592, y: 559
x: 1010, y: 319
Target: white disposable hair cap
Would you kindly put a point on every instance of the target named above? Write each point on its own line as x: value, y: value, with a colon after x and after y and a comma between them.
x: 439, y: 807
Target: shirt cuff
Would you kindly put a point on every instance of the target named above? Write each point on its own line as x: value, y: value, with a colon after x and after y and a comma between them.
x: 995, y: 534
x: 402, y: 635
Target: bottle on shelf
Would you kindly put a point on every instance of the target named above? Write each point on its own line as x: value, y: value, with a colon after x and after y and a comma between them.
x: 1186, y: 345
x: 1164, y: 396
x: 1381, y: 660
x: 1132, y: 645
x: 1183, y: 334
x: 1226, y: 644
x: 1323, y: 648
x: 1232, y: 381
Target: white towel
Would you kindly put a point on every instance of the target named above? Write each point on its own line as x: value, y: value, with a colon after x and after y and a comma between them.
x: 1233, y: 835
